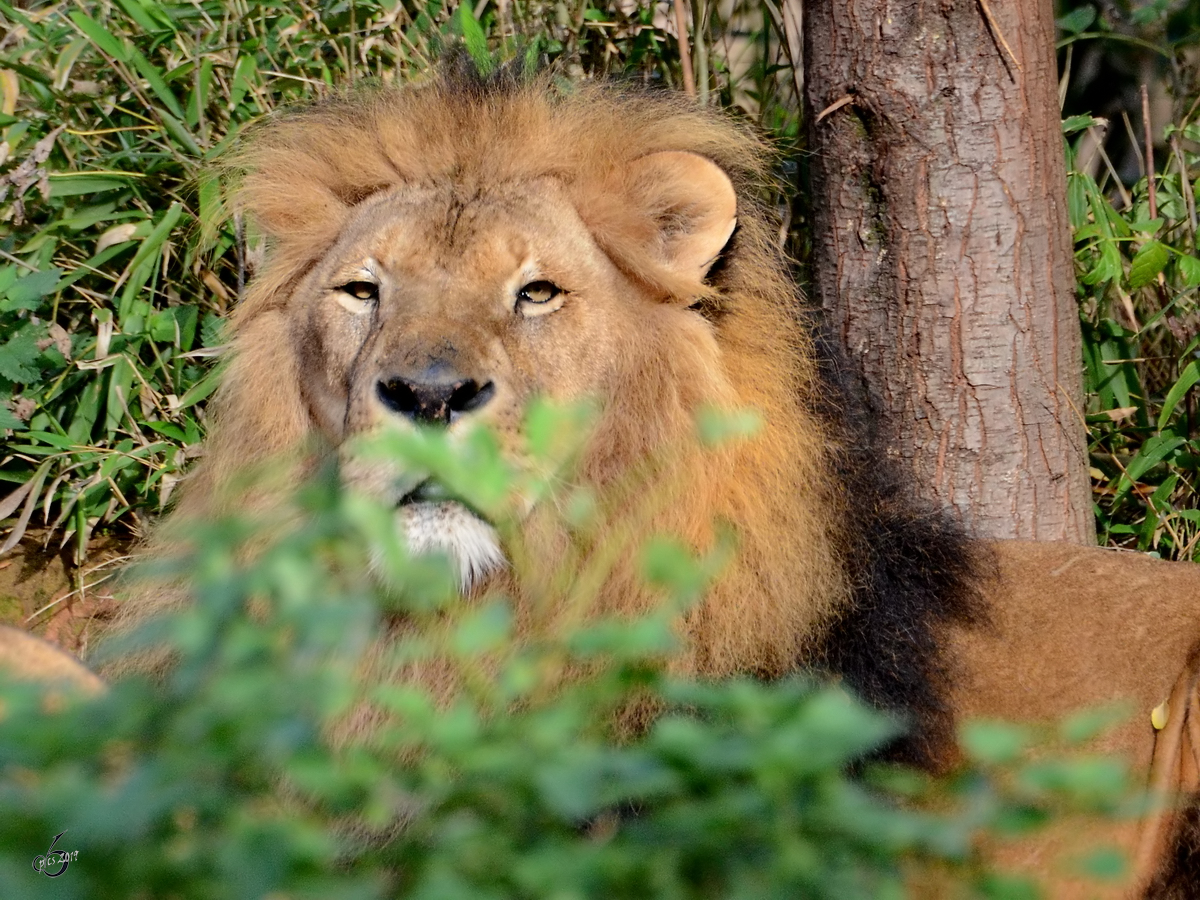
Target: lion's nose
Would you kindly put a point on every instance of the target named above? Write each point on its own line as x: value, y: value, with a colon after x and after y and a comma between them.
x: 436, y: 400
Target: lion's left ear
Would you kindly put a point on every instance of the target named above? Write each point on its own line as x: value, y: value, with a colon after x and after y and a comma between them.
x: 694, y: 205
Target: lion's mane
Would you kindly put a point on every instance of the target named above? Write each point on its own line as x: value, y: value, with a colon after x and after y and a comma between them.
x: 835, y: 569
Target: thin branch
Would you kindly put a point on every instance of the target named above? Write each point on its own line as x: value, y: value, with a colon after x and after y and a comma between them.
x: 994, y: 27
x: 1186, y: 189
x: 685, y: 53
x: 1148, y: 132
x: 833, y: 107
x: 1134, y: 142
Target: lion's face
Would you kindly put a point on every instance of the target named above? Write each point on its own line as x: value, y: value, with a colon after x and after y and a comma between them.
x: 438, y: 309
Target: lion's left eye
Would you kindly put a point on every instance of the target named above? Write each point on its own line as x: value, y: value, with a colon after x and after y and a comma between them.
x: 539, y: 292
x: 538, y: 298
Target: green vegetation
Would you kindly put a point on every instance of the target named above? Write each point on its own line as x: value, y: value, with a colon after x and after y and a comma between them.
x: 220, y: 782
x: 1137, y: 265
x: 117, y: 265
x: 1138, y: 276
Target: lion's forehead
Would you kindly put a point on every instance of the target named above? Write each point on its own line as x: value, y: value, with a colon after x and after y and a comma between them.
x: 457, y: 233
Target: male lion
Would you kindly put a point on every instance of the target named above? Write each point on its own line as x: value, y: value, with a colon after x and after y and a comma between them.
x: 443, y: 254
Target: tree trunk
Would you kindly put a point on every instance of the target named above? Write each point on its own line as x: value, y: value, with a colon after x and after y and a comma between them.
x: 942, y: 251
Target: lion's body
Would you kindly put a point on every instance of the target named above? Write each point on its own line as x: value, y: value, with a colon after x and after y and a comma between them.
x: 1074, y: 629
x: 448, y: 252
x: 24, y: 657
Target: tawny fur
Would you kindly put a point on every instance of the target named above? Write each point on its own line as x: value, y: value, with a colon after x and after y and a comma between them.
x: 305, y: 173
x: 24, y: 657
x: 1083, y: 628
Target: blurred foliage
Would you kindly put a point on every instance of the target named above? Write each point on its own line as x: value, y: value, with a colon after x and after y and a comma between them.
x: 221, y: 779
x: 1107, y: 50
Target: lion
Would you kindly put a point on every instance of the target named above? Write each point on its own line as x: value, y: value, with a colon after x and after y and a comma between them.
x: 24, y: 657
x: 442, y: 255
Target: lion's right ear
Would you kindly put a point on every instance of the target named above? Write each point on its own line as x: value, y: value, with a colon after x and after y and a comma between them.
x: 693, y: 205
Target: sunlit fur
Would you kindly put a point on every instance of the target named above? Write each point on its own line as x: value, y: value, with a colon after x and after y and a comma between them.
x: 734, y: 342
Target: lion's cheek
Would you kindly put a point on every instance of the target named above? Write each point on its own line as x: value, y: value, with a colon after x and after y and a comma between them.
x: 323, y: 388
x: 326, y: 346
x: 571, y: 356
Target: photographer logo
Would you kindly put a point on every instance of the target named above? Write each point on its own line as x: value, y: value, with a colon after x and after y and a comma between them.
x: 54, y: 862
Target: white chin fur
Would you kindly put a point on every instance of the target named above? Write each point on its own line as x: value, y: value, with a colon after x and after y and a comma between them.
x: 450, y: 528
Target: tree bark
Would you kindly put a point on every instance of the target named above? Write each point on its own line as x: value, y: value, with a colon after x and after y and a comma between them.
x: 942, y: 250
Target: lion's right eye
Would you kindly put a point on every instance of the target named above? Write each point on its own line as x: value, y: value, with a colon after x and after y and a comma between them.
x: 357, y: 296
x: 361, y: 290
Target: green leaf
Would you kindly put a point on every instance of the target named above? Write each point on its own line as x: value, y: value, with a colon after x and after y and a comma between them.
x: 245, y: 74
x: 1151, y: 453
x: 1146, y: 226
x: 155, y: 80
x: 200, y: 94
x: 993, y: 742
x: 69, y: 184
x: 144, y: 17
x: 1145, y: 14
x: 168, y: 429
x: 1077, y: 204
x: 212, y: 330
x: 998, y: 886
x: 1072, y: 124
x: 716, y: 426
x: 99, y: 35
x: 27, y: 291
x: 54, y: 440
x: 1086, y: 725
x: 8, y: 420
x: 475, y: 39
x: 201, y: 389
x: 1149, y: 261
x: 1108, y: 266
x: 1116, y: 221
x: 180, y: 132
x: 119, y: 397
x: 161, y: 326
x: 1106, y: 863
x: 1189, y: 269
x: 148, y: 249
x: 86, y: 413
x: 1077, y: 20
x: 1187, y: 378
x: 176, y: 325
x: 16, y: 356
